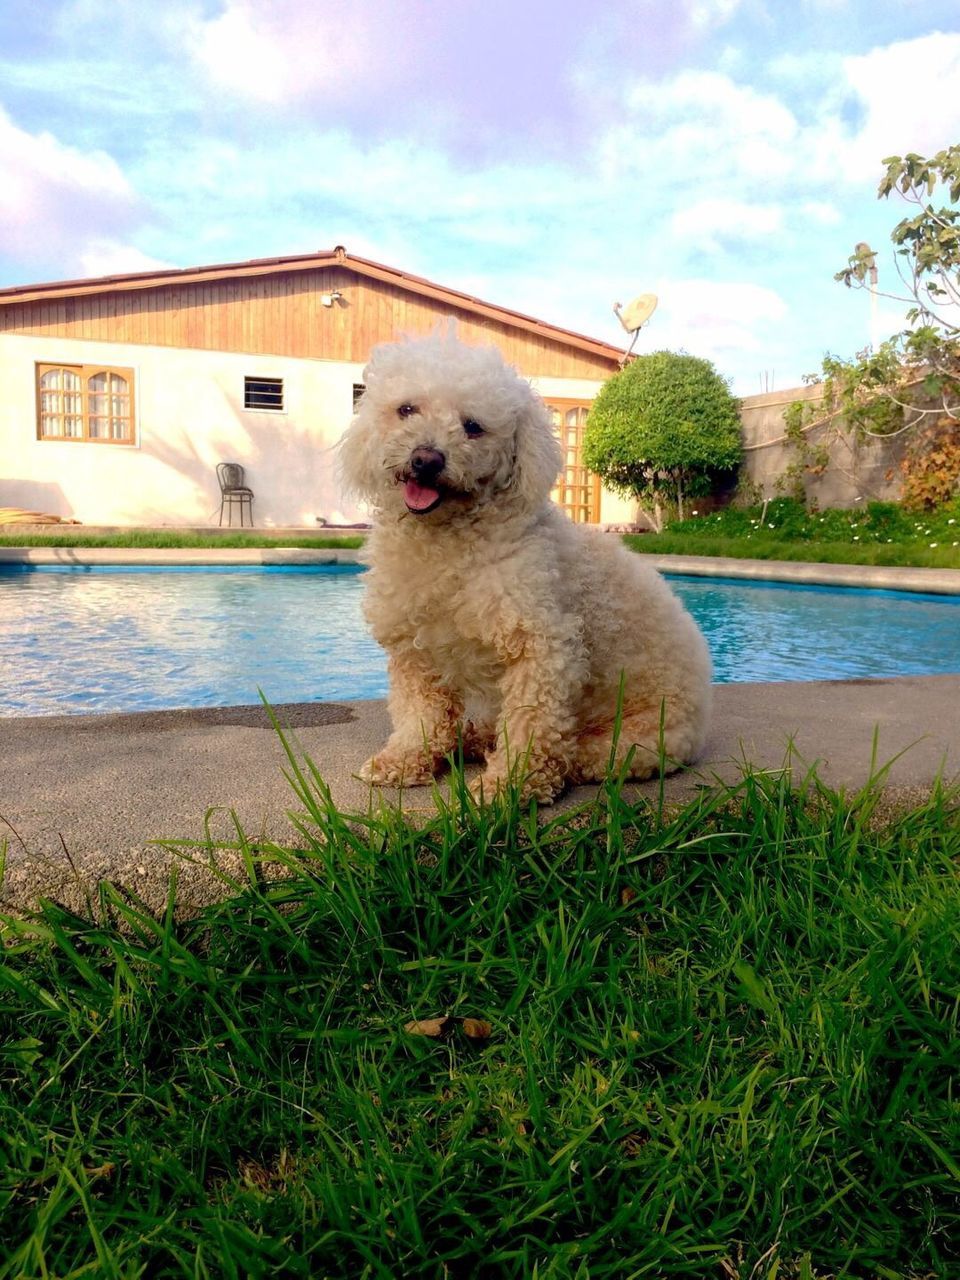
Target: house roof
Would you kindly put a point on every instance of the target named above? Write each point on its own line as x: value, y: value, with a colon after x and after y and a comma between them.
x: 337, y: 257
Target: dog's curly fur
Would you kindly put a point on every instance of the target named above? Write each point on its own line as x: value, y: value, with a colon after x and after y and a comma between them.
x: 508, y: 628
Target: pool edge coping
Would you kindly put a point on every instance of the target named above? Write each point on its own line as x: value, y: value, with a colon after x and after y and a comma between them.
x: 892, y: 578
x: 807, y: 572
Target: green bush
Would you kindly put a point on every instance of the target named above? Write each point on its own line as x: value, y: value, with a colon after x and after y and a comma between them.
x: 663, y: 429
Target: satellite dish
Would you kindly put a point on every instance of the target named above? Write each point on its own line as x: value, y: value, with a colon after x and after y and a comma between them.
x: 636, y: 313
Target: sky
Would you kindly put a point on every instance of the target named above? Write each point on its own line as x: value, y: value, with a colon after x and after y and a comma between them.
x: 554, y: 158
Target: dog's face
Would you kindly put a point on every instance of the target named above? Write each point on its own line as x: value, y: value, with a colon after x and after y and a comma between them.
x: 443, y: 428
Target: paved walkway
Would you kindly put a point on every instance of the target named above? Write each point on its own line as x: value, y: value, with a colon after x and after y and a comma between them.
x: 82, y: 797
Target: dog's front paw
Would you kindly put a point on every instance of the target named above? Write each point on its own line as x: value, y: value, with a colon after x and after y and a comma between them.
x: 389, y: 770
x: 543, y: 784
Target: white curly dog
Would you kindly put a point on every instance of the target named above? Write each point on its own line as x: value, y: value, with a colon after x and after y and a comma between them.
x: 508, y: 628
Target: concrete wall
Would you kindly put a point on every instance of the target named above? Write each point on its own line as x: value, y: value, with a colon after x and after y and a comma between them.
x: 190, y: 416
x: 858, y: 470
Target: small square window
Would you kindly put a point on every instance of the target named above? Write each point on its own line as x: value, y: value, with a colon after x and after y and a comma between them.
x: 263, y: 393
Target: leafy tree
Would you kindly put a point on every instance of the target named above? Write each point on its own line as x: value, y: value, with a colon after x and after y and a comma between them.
x: 911, y: 383
x: 662, y: 429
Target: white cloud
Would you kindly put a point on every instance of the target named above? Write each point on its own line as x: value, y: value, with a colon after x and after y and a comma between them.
x: 708, y: 223
x: 415, y: 195
x: 705, y: 14
x: 53, y: 196
x: 910, y: 93
x: 821, y: 212
x: 701, y: 125
x: 289, y: 49
x: 35, y: 161
x: 239, y: 56
x: 729, y: 137
x: 104, y: 257
x: 718, y: 315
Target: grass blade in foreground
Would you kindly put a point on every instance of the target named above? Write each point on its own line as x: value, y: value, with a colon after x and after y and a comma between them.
x: 721, y: 1039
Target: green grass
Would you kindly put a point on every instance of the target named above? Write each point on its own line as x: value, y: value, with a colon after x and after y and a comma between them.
x: 669, y: 543
x: 170, y: 538
x: 880, y: 533
x: 724, y: 1043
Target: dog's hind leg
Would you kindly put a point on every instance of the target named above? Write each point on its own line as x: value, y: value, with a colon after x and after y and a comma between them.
x: 426, y: 716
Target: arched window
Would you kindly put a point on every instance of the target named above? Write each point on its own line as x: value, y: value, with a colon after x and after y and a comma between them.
x: 61, y: 404
x: 108, y: 404
x: 85, y: 402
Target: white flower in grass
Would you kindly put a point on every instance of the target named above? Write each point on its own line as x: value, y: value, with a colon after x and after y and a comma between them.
x: 934, y: 544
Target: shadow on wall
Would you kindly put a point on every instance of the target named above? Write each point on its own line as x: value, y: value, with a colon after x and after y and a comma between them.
x: 35, y: 495
x: 291, y: 472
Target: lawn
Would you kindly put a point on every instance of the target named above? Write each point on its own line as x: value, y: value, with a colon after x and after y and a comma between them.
x: 720, y: 1041
x: 879, y: 533
x: 151, y: 538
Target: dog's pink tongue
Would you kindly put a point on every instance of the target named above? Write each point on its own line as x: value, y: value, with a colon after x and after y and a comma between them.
x: 417, y: 497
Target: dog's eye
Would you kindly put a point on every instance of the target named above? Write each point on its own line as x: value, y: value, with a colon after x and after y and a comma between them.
x: 407, y: 410
x: 472, y: 428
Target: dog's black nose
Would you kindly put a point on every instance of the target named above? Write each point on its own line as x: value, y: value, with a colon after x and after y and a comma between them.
x: 426, y: 464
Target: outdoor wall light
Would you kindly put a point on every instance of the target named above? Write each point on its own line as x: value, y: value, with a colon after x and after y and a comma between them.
x: 328, y: 299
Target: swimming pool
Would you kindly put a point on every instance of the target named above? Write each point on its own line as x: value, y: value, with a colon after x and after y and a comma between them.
x: 114, y: 638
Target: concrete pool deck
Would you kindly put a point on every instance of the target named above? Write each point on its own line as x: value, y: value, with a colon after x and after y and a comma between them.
x: 83, y: 798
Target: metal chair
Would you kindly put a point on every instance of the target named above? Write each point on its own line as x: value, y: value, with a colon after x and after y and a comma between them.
x: 233, y: 489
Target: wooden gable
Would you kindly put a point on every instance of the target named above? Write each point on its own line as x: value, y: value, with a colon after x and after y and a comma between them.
x: 276, y: 307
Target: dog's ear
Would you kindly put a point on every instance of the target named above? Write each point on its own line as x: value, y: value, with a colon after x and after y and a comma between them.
x: 359, y: 469
x: 359, y: 461
x: 538, y: 456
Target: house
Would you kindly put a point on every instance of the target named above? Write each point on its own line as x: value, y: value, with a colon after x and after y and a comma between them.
x: 121, y: 394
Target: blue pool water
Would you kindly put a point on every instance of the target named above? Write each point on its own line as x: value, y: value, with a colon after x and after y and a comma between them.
x: 119, y: 639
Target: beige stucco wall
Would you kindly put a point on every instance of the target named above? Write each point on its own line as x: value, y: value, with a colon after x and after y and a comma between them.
x: 190, y: 416
x: 566, y: 388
